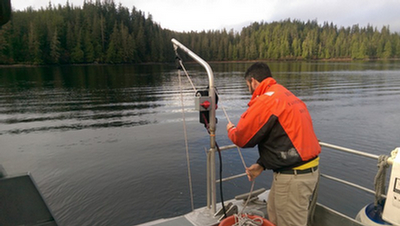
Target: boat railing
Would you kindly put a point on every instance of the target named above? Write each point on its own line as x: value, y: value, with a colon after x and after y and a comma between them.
x: 323, y: 144
x: 354, y: 152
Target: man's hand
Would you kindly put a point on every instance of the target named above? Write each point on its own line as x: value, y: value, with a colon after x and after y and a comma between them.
x: 229, y: 126
x: 254, y: 171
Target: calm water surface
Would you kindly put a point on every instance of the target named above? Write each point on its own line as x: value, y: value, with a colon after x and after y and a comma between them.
x: 105, y: 143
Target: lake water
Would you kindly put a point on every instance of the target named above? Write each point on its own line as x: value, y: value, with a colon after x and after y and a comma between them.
x: 106, y: 147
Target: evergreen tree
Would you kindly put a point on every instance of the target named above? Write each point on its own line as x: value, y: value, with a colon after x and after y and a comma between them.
x: 114, y: 48
x: 55, y: 48
x: 77, y: 54
x: 396, y: 45
x: 387, y: 50
x: 34, y: 46
x: 88, y: 48
x: 103, y: 32
x: 4, y: 45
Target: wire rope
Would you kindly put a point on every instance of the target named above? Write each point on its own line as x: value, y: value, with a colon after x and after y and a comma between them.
x: 187, y: 75
x: 240, y: 152
x: 186, y: 142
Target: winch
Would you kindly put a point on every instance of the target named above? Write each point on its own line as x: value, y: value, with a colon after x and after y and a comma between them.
x: 385, y: 212
x: 391, y: 211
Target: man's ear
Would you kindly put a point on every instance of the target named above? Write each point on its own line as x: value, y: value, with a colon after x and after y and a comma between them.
x: 254, y: 83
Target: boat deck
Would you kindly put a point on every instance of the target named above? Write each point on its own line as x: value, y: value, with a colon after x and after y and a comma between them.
x: 203, y: 216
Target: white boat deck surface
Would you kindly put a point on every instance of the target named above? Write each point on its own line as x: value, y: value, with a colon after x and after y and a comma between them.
x: 203, y: 216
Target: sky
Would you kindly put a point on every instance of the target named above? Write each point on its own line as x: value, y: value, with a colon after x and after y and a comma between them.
x: 205, y: 15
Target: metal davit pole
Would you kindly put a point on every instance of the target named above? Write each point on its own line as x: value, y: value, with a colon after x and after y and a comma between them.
x: 211, y: 171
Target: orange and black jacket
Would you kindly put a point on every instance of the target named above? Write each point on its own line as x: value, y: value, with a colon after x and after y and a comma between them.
x: 280, y: 124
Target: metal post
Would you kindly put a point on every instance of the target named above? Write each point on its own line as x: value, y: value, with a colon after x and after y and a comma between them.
x: 213, y: 182
x: 208, y: 180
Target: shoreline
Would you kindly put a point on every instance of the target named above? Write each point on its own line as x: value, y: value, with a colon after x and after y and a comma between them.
x: 213, y: 62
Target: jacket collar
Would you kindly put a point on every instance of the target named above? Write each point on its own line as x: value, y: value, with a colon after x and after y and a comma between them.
x: 262, y: 88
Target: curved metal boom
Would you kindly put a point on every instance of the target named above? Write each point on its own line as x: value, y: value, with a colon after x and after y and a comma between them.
x: 211, y: 170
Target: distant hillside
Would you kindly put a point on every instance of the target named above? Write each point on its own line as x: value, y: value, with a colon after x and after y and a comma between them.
x: 107, y: 33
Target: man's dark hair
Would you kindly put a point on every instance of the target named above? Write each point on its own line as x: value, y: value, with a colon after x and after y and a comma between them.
x: 259, y: 71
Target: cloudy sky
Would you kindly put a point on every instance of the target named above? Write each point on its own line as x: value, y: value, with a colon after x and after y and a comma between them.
x: 199, y: 15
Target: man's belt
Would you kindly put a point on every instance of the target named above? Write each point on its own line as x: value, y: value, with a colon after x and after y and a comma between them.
x: 309, y: 170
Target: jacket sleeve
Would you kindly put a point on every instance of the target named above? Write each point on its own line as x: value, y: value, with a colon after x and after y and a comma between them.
x: 254, y: 125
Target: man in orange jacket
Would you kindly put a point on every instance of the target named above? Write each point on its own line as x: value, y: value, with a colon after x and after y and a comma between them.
x: 280, y: 124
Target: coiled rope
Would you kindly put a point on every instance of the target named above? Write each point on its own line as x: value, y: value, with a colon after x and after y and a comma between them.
x: 245, y: 220
x: 380, y: 178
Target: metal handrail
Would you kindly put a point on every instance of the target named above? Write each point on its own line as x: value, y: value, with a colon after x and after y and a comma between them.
x: 231, y: 177
x: 347, y: 183
x: 348, y: 150
x: 323, y: 144
x: 227, y: 147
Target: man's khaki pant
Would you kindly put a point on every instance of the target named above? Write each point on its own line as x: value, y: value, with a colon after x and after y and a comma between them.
x: 292, y: 198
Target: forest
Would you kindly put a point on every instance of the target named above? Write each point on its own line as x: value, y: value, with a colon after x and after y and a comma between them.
x: 103, y: 32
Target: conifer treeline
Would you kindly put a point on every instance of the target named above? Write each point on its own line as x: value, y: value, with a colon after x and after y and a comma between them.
x: 102, y: 32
